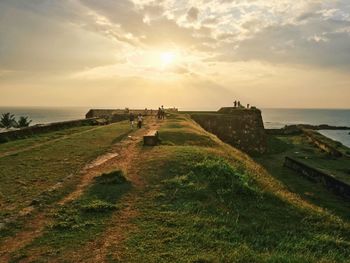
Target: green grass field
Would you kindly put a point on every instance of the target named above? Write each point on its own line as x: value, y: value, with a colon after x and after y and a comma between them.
x: 213, y: 204
x: 202, y: 201
x: 27, y: 175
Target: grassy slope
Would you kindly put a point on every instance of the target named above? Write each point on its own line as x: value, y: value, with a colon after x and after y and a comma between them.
x: 300, y: 148
x: 204, y: 202
x: 41, y: 138
x: 33, y: 172
x: 199, y: 208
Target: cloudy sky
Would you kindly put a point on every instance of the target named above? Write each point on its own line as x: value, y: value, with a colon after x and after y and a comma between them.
x: 191, y: 54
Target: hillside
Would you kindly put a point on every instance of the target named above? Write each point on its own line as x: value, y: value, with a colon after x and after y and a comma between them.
x: 97, y: 195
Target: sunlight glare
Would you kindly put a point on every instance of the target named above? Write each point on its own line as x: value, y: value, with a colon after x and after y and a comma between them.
x: 167, y: 58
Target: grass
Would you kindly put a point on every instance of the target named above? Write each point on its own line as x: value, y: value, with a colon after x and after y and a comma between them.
x: 36, y: 171
x: 204, y: 201
x: 81, y: 221
x: 177, y: 132
x: 213, y: 204
x: 300, y: 148
x: 41, y: 138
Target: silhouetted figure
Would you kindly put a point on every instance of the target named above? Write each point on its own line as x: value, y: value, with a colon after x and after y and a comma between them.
x: 159, y: 114
x: 139, y: 120
x: 132, y: 120
x: 235, y: 104
x: 163, y: 113
x: 248, y: 106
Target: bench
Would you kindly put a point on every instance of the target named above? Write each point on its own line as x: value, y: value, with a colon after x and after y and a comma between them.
x: 151, y: 138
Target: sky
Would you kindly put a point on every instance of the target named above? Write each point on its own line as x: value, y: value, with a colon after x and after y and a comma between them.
x: 194, y: 54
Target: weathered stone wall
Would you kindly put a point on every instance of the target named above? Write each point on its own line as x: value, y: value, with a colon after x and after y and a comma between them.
x: 242, y: 128
x: 316, y: 175
x: 38, y: 129
x: 109, y: 113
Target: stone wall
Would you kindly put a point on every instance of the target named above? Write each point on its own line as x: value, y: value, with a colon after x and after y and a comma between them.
x: 42, y: 128
x: 242, y: 128
x: 109, y: 113
x: 316, y: 175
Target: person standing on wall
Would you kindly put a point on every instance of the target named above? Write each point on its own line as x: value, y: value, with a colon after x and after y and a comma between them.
x: 132, y: 120
x: 139, y: 120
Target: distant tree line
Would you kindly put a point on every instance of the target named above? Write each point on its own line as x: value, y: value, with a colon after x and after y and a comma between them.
x: 8, y: 120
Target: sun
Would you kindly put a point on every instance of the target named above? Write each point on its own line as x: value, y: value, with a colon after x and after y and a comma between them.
x: 167, y: 58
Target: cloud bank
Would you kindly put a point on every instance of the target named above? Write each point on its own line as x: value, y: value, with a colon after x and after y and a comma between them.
x: 260, y: 51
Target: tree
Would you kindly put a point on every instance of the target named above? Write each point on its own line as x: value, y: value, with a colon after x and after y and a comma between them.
x: 7, y: 120
x: 23, y: 122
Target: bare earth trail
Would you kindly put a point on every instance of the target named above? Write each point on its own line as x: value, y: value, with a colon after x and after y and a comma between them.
x: 120, y: 156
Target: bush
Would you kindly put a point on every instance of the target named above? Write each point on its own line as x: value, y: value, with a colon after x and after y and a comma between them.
x: 116, y: 177
x: 222, y: 178
x: 69, y: 219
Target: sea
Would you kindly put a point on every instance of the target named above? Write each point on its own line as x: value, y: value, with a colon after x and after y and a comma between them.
x: 273, y: 118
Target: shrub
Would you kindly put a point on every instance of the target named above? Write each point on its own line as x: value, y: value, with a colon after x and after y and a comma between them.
x: 222, y: 177
x: 115, y: 177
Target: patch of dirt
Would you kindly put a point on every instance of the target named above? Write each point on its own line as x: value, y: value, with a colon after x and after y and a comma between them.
x: 120, y: 224
x: 33, y: 230
x: 123, y: 155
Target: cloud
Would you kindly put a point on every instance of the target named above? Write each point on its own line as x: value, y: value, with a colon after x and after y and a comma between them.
x: 94, y: 40
x: 192, y: 14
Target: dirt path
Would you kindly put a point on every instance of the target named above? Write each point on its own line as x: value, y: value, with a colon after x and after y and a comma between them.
x: 120, y: 225
x: 120, y: 156
x: 37, y: 145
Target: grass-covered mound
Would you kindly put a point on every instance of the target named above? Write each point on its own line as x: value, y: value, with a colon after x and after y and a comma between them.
x: 180, y: 132
x: 214, y: 204
x: 197, y: 200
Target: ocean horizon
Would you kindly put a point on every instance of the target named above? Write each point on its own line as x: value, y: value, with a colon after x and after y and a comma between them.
x: 272, y: 117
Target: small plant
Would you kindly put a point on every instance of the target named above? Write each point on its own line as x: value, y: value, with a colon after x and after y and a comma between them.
x: 99, y: 206
x: 23, y: 122
x: 115, y: 177
x: 7, y: 120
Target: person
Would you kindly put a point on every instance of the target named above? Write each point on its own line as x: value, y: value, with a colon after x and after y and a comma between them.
x: 235, y: 104
x: 159, y: 114
x: 139, y: 120
x: 132, y: 120
x: 163, y: 112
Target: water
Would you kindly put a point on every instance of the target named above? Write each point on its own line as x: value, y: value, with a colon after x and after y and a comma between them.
x: 278, y: 118
x: 45, y: 114
x: 273, y: 118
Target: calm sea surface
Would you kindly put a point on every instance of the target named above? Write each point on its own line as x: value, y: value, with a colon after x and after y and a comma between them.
x: 277, y: 118
x: 273, y: 118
